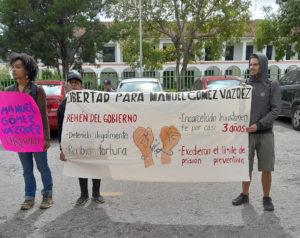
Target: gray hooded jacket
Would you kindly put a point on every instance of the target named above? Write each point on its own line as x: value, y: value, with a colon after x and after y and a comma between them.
x: 266, y: 99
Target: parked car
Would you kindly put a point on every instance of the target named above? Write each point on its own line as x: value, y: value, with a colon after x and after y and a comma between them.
x: 140, y: 85
x: 290, y: 96
x: 216, y: 82
x: 55, y: 93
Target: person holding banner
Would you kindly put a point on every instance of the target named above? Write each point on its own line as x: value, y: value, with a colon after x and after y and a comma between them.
x: 265, y: 108
x: 74, y: 82
x: 25, y: 69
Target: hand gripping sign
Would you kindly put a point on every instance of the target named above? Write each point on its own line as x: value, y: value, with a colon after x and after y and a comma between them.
x: 21, y: 128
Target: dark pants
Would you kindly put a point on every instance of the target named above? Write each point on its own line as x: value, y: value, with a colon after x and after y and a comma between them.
x: 83, y: 182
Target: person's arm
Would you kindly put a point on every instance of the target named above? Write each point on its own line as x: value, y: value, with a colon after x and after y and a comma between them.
x: 42, y: 105
x: 60, y: 120
x: 275, y: 103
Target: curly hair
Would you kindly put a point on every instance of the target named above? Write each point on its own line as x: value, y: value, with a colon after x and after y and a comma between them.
x: 28, y: 62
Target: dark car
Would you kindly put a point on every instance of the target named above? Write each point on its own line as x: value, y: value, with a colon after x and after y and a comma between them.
x: 55, y: 93
x: 290, y: 96
x: 216, y: 82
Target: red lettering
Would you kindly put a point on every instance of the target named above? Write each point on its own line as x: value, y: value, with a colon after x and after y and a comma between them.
x: 69, y: 118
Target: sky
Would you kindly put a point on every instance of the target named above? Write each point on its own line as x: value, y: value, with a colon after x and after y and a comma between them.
x: 256, y: 8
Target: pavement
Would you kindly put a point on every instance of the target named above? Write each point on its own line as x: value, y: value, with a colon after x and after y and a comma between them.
x: 147, y: 209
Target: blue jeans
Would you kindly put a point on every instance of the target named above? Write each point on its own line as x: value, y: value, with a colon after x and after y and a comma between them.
x: 42, y: 165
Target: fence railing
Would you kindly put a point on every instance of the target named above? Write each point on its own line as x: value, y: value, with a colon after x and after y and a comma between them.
x: 168, y: 81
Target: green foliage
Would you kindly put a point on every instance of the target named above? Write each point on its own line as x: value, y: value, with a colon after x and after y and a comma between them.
x: 46, y: 74
x: 169, y: 53
x: 89, y: 83
x: 54, y: 30
x: 4, y: 72
x: 170, y: 90
x: 190, y: 24
x: 152, y: 57
x: 5, y: 79
x: 280, y: 29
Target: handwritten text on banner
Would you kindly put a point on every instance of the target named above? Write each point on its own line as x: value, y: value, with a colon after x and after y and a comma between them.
x: 184, y: 136
x: 21, y: 127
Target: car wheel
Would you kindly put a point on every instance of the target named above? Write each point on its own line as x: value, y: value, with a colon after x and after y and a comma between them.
x: 296, y: 118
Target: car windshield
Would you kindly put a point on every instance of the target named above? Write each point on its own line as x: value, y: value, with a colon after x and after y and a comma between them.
x: 51, y: 89
x: 223, y: 83
x: 139, y: 87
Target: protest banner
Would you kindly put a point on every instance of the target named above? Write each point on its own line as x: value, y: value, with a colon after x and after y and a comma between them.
x: 173, y: 137
x: 21, y: 128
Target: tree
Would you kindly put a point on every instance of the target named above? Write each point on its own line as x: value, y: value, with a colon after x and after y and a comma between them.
x: 281, y: 29
x: 56, y: 32
x: 190, y: 24
x: 153, y: 57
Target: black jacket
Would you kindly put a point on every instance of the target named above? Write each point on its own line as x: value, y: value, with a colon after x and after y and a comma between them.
x: 60, y: 119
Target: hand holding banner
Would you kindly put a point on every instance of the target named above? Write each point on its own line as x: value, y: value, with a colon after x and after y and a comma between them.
x: 21, y: 128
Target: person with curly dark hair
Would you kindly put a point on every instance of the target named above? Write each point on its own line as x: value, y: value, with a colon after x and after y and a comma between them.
x: 24, y: 70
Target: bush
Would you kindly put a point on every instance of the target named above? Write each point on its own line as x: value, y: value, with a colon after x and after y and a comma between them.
x: 46, y: 74
x: 170, y: 90
x: 5, y: 82
x: 89, y: 83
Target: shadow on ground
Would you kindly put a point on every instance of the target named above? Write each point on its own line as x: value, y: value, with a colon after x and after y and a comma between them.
x: 20, y: 225
x: 92, y: 221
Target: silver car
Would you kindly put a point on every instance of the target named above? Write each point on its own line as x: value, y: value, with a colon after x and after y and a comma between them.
x: 140, y: 85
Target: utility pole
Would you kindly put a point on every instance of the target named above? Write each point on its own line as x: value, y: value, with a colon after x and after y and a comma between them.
x: 141, y: 38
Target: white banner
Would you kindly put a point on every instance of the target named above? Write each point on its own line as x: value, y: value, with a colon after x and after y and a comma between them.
x: 175, y: 137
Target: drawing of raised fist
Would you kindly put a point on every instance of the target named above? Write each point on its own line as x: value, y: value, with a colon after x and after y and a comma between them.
x: 143, y: 138
x: 170, y: 137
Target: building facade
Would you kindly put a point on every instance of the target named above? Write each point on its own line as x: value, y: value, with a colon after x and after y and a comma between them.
x: 235, y: 62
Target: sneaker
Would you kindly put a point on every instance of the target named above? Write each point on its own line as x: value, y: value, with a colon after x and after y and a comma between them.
x: 268, y: 205
x: 27, y: 204
x: 98, y: 198
x: 82, y: 200
x: 241, y: 199
x: 47, y: 201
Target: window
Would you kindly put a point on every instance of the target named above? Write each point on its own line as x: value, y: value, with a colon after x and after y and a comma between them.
x: 209, y: 72
x: 269, y: 51
x: 89, y: 75
x: 228, y: 72
x: 109, y: 75
x: 149, y: 74
x: 189, y: 78
x: 223, y: 83
x: 141, y: 86
x: 288, y: 52
x: 249, y: 51
x: 51, y: 89
x: 109, y: 54
x: 207, y: 54
x: 247, y: 73
x: 168, y: 79
x: 229, y: 53
x: 127, y: 75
